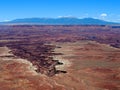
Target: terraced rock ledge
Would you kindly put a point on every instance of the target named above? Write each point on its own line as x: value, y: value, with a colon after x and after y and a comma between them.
x: 39, y: 54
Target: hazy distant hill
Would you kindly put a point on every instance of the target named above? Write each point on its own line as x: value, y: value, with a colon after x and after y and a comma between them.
x: 59, y: 21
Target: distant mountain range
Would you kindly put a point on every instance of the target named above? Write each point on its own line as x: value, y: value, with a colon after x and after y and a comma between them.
x: 59, y: 21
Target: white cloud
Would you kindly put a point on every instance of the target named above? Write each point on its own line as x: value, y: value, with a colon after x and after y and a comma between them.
x: 6, y: 20
x: 67, y: 16
x: 103, y: 15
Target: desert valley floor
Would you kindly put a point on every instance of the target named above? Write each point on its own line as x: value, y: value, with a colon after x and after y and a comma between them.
x: 72, y: 58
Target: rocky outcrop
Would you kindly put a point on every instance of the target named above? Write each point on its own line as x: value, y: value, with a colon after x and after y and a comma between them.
x: 40, y: 55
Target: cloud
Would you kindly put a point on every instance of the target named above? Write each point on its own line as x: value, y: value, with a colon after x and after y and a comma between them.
x: 6, y: 20
x: 103, y: 15
x: 67, y: 16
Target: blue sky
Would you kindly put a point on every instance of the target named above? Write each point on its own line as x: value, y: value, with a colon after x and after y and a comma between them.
x: 102, y: 9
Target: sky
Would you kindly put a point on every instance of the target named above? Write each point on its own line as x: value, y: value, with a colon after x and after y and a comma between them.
x: 101, y: 9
